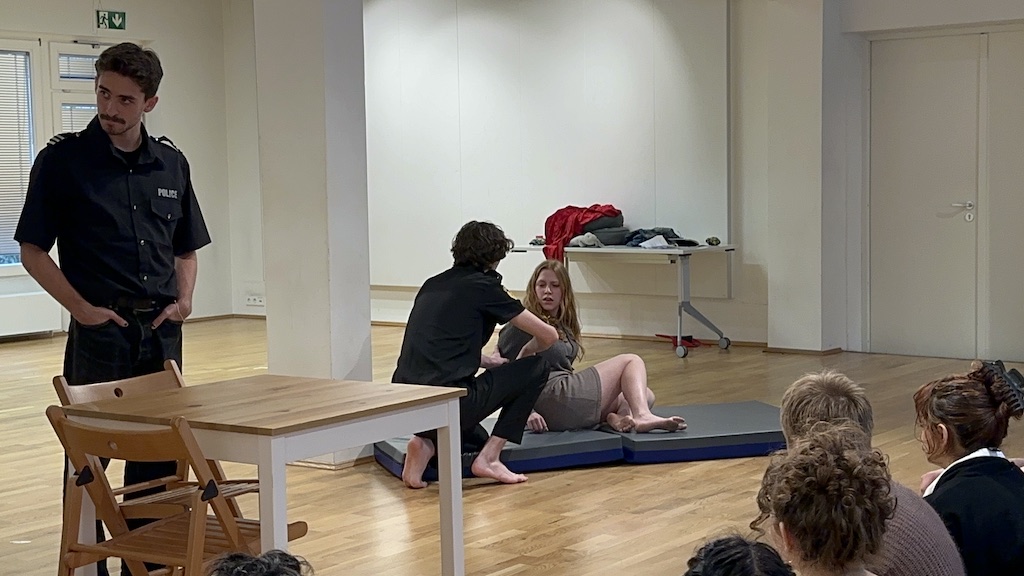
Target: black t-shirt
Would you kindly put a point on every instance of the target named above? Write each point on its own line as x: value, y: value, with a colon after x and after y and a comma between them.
x: 117, y: 225
x: 452, y: 318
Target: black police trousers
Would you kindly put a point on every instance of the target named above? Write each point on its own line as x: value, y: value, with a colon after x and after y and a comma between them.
x: 513, y: 387
x: 109, y: 352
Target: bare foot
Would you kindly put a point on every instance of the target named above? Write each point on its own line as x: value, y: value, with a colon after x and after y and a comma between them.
x: 654, y: 422
x: 495, y: 470
x: 418, y: 453
x: 620, y: 423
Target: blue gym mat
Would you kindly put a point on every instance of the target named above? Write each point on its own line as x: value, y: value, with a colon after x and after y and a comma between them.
x: 714, y: 431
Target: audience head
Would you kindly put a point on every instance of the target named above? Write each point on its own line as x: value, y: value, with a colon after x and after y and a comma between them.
x: 962, y: 413
x: 480, y: 244
x: 825, y: 396
x: 736, y: 556
x: 549, y: 295
x: 827, y: 499
x: 272, y: 563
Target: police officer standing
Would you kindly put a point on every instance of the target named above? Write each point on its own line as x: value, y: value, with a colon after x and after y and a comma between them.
x: 120, y: 206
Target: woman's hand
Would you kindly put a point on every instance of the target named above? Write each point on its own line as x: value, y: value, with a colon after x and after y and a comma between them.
x: 928, y: 477
x: 493, y: 360
x: 536, y: 423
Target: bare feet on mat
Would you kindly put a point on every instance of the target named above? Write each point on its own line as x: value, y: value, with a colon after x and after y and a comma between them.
x: 417, y: 455
x: 497, y: 471
x: 620, y: 423
x: 654, y: 422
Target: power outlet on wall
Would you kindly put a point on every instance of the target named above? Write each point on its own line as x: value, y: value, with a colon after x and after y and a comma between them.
x: 255, y: 300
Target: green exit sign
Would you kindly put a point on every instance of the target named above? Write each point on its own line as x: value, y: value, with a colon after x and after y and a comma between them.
x: 110, y: 20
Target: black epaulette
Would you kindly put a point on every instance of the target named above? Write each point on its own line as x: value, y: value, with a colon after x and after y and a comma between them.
x: 167, y: 142
x: 61, y: 137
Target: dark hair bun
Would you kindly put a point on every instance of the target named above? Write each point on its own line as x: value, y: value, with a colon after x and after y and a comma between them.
x: 1006, y: 387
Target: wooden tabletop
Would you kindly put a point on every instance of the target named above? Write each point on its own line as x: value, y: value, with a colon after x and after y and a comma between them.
x: 267, y: 405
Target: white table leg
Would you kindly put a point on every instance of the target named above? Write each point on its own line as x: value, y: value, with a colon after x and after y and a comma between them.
x: 273, y: 501
x: 86, y: 527
x: 449, y: 464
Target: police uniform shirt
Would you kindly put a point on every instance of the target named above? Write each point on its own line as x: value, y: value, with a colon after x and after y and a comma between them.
x: 452, y: 318
x: 118, y: 225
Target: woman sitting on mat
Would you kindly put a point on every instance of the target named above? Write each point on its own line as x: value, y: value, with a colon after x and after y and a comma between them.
x: 613, y: 391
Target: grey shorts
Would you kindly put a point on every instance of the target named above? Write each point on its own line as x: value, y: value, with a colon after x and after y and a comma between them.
x: 571, y: 400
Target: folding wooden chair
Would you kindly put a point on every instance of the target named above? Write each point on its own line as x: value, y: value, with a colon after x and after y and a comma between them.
x: 190, y: 538
x: 167, y: 379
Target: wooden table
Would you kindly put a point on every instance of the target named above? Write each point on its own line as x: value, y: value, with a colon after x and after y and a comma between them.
x: 272, y: 420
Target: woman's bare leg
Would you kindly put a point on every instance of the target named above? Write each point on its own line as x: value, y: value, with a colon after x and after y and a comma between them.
x: 625, y: 377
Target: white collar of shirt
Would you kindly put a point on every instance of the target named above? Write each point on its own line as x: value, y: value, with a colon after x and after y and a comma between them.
x: 976, y: 454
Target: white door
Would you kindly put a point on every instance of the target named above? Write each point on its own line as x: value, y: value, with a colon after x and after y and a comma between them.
x: 924, y: 163
x: 1001, y: 213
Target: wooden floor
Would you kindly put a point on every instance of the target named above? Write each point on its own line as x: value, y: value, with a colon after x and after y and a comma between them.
x: 607, y: 520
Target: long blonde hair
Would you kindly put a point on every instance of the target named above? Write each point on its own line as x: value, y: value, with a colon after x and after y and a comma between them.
x: 568, y: 316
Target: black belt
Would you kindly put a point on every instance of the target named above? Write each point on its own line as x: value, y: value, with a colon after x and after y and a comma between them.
x: 140, y: 304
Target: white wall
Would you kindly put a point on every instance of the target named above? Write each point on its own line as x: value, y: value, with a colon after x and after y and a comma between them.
x: 844, y: 114
x: 243, y: 163
x: 192, y: 101
x: 507, y: 111
x: 510, y: 110
x: 882, y: 15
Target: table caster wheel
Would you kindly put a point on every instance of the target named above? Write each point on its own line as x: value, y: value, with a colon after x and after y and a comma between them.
x: 724, y: 343
x: 682, y: 351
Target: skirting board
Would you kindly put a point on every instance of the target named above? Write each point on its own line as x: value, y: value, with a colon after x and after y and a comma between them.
x: 592, y: 335
x: 828, y: 352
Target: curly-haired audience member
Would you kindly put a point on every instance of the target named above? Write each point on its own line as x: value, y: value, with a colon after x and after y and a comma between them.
x: 916, y: 542
x: 737, y: 556
x: 827, y: 500
x: 272, y: 563
x: 962, y: 421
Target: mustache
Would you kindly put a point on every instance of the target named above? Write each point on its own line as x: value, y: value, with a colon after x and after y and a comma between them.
x: 112, y: 119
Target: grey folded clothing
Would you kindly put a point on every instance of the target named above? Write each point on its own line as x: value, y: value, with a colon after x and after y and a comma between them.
x: 615, y: 236
x: 603, y: 222
x: 586, y: 239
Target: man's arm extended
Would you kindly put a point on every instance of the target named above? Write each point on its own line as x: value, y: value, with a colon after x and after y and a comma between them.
x: 544, y: 334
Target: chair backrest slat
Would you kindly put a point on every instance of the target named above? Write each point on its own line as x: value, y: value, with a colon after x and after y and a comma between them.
x: 166, y: 379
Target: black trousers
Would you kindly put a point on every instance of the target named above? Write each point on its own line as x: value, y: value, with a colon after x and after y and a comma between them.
x: 109, y: 352
x: 513, y: 387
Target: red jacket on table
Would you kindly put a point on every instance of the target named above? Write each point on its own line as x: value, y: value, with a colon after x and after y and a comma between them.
x: 567, y: 223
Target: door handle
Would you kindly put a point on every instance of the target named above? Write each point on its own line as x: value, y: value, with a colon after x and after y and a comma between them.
x: 969, y: 205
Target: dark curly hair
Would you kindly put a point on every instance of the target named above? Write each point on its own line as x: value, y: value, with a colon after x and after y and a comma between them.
x: 832, y: 494
x: 272, y: 563
x: 480, y: 244
x: 140, y: 64
x: 737, y: 556
x: 976, y: 407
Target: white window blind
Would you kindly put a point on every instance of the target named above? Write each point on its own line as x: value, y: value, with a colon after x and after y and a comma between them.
x: 76, y: 67
x: 76, y: 117
x: 16, y: 146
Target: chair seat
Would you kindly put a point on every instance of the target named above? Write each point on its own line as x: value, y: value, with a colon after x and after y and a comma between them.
x: 183, y: 494
x: 160, y: 542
